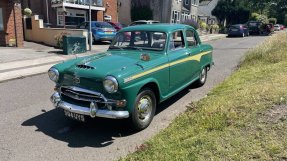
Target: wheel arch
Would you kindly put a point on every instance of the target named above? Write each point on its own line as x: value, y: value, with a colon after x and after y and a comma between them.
x: 154, y: 87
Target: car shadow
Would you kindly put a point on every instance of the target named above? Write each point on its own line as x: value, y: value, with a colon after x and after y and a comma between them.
x: 98, y: 132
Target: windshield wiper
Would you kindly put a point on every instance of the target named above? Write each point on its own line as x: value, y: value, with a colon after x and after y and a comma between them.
x: 133, y: 47
x: 116, y: 47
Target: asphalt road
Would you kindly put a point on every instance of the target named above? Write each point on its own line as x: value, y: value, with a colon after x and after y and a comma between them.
x: 31, y: 129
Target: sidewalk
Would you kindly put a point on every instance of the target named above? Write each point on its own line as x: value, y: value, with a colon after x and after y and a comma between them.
x: 36, y: 59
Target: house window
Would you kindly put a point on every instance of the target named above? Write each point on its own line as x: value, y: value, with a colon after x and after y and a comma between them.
x: 186, y: 2
x: 195, y: 2
x: 175, y: 17
x: 1, y: 20
x: 70, y: 17
x: 185, y: 16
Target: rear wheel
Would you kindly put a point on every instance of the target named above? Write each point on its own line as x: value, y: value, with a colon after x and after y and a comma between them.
x: 202, y: 77
x: 144, y: 109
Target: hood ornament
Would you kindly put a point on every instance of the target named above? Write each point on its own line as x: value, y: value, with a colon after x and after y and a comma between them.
x: 145, y: 57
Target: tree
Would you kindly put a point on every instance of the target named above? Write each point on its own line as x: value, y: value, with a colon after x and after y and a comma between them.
x: 140, y: 10
x: 228, y: 10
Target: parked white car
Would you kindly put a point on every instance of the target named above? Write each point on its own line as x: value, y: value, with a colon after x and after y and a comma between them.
x: 277, y: 27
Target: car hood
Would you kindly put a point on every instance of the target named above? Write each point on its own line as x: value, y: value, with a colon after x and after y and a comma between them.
x: 115, y: 63
x: 91, y: 70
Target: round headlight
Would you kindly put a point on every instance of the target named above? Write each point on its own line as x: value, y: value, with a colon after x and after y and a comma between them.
x: 111, y: 84
x: 53, y: 74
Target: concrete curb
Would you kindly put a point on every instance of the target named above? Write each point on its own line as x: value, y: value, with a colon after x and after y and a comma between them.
x: 25, y: 68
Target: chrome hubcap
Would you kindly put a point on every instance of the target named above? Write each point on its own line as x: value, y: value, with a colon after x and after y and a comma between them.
x: 202, y: 75
x: 144, y: 108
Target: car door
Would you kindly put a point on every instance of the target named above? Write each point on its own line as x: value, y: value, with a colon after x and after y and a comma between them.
x: 193, y: 49
x: 177, y: 54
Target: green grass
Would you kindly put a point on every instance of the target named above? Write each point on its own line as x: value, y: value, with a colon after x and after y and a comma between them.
x: 235, y: 121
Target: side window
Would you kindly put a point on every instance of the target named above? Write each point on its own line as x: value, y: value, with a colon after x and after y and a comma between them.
x: 176, y: 40
x: 191, y: 39
x: 83, y: 25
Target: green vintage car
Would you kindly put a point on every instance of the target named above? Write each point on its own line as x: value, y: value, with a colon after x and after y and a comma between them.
x: 144, y: 66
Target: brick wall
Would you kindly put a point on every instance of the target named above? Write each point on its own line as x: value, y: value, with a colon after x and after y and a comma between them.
x: 9, y: 23
x: 111, y: 10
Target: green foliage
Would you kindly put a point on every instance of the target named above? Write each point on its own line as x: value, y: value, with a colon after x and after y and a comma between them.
x: 202, y: 25
x: 272, y: 20
x: 141, y: 13
x: 59, y: 39
x: 27, y: 12
x: 215, y: 27
x: 229, y: 10
x: 259, y: 17
x: 244, y: 118
x: 254, y: 16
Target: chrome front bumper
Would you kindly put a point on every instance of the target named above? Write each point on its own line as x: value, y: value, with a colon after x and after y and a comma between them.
x: 93, y: 112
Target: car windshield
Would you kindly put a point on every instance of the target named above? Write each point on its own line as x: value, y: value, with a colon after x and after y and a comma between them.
x: 139, y: 40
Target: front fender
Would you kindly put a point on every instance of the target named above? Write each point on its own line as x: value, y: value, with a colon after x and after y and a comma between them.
x: 131, y: 91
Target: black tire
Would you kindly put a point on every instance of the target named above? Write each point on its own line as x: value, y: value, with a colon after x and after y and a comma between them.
x: 145, y: 100
x: 202, y: 77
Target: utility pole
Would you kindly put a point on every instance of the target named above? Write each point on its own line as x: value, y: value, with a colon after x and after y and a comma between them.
x: 90, y: 25
x: 47, y: 8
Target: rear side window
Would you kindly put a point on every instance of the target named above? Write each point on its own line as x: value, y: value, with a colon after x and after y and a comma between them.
x: 191, y: 38
x: 103, y: 25
x: 176, y: 40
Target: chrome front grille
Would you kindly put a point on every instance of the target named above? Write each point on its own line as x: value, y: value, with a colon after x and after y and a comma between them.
x: 80, y: 94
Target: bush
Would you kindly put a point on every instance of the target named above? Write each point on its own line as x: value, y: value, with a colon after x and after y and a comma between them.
x: 254, y: 16
x: 272, y: 20
x: 192, y: 23
x: 27, y: 12
x: 202, y: 25
x: 215, y: 27
x: 258, y: 17
x: 59, y: 39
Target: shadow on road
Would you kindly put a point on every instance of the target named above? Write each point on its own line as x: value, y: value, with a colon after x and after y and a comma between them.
x: 93, y: 133
x: 98, y: 132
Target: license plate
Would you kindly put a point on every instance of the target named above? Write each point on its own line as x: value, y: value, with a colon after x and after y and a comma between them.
x: 74, y: 116
x: 234, y: 29
x: 109, y: 32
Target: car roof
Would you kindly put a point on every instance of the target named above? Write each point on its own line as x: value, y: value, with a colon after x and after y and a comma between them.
x: 160, y: 27
x: 146, y: 21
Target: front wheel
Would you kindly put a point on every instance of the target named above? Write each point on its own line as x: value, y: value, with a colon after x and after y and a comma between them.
x: 144, y: 109
x: 202, y: 77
